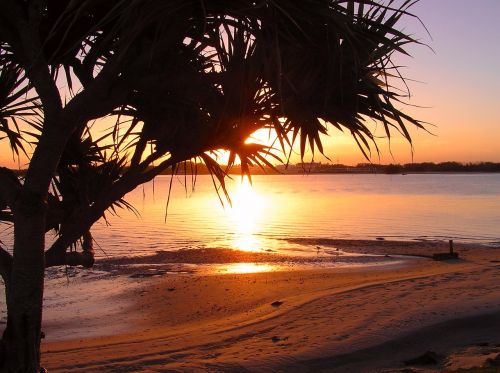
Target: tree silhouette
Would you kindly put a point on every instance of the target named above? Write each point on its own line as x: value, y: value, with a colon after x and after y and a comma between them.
x: 178, y: 80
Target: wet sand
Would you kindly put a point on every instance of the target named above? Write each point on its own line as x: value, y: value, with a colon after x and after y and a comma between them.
x: 303, y: 316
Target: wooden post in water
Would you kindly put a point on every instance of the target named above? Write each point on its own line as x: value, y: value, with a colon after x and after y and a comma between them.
x: 446, y: 256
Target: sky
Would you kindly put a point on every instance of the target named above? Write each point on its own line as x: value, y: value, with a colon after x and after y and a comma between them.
x: 457, y: 81
x: 458, y: 84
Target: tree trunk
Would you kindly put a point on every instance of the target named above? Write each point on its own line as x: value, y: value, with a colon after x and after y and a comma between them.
x: 25, y: 296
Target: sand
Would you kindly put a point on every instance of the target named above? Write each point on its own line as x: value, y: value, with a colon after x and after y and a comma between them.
x: 295, y: 317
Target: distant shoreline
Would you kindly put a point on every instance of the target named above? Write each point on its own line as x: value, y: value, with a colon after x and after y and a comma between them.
x: 451, y: 167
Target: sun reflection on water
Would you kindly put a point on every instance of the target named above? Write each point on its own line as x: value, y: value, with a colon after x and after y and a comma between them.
x: 248, y: 268
x: 246, y: 214
x: 247, y: 242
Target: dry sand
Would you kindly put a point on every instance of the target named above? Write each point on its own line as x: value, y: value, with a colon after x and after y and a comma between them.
x: 299, y: 318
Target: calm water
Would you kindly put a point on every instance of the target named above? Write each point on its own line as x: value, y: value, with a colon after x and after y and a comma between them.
x: 407, y: 207
x: 464, y: 207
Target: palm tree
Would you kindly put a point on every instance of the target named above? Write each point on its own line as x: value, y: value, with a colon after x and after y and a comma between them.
x: 181, y: 79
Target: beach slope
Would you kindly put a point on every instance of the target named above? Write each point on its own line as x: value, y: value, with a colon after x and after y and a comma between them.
x: 325, y: 319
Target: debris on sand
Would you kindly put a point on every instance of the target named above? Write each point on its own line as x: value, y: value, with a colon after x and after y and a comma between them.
x: 277, y: 339
x: 493, y: 362
x: 429, y: 358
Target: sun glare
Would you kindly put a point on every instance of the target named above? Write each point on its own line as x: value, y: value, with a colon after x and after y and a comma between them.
x: 248, y: 268
x: 246, y: 213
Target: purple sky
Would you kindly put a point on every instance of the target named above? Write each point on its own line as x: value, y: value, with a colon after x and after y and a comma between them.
x: 460, y: 85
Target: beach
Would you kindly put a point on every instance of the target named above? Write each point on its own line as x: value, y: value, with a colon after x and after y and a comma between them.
x: 249, y: 186
x: 264, y: 313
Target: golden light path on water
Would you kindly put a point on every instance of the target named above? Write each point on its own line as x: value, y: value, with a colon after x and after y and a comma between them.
x: 248, y: 207
x: 235, y: 268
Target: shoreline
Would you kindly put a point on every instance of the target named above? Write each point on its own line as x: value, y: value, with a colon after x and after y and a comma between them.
x: 265, y: 321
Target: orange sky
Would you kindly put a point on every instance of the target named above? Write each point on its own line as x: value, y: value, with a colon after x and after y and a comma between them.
x: 459, y: 83
x: 460, y: 86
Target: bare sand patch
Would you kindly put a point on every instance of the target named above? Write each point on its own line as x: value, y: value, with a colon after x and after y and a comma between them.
x: 359, y: 319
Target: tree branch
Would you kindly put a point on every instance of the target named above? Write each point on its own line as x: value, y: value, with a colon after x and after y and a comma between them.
x: 5, y: 265
x: 84, y: 258
x: 139, y: 150
x: 23, y: 37
x: 85, y: 218
x: 9, y: 188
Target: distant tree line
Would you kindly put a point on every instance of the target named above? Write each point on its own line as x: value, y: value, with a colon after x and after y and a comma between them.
x: 192, y: 168
x: 319, y: 168
x: 437, y: 167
